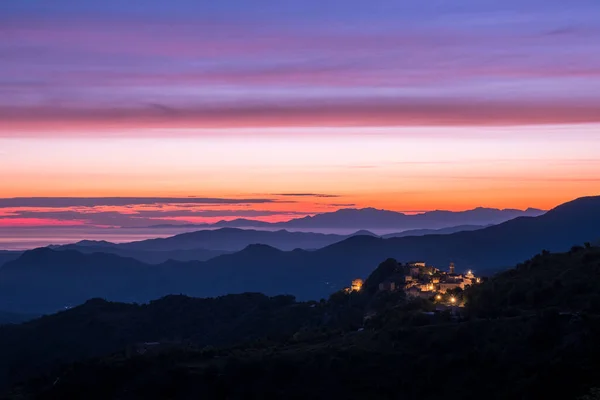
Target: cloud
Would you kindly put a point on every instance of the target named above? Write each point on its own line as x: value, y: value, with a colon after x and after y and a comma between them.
x: 61, y: 202
x: 140, y: 218
x: 128, y: 216
x: 216, y: 213
x: 305, y: 195
x: 485, y: 65
x: 375, y: 112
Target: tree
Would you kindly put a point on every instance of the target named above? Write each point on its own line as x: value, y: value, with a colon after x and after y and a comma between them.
x: 594, y: 394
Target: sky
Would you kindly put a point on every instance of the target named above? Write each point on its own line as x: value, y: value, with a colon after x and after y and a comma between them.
x: 197, y: 111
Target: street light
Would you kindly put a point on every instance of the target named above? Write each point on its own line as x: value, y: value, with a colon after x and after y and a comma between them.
x: 452, y: 299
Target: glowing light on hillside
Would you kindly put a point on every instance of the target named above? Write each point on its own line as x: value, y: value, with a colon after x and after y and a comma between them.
x: 356, y: 285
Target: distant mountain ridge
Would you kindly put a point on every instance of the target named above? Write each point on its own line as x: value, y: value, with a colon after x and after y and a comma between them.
x: 442, y: 231
x: 372, y: 218
x: 206, y: 244
x: 45, y: 280
x: 147, y: 255
x: 235, y: 239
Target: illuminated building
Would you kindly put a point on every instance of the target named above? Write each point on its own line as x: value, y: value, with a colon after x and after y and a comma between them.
x: 356, y: 285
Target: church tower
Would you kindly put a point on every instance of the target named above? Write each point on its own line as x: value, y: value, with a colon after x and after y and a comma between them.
x: 451, y: 268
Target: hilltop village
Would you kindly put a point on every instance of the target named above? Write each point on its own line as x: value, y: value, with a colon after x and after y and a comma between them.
x: 417, y: 279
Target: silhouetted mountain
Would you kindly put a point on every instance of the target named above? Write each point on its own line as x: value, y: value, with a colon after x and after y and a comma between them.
x: 46, y: 280
x: 233, y: 239
x: 567, y: 281
x: 363, y: 232
x: 66, y: 278
x: 244, y: 223
x: 148, y: 256
x: 12, y: 318
x: 99, y: 327
x: 6, y: 256
x: 94, y: 243
x: 372, y: 218
x: 443, y: 231
x: 485, y: 250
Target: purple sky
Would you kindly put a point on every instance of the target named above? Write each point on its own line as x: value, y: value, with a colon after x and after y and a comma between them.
x: 108, y: 60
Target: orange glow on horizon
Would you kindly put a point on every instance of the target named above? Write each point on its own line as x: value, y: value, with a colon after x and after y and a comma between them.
x: 299, y: 173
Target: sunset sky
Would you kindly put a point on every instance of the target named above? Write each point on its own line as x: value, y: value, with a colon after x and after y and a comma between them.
x: 197, y: 111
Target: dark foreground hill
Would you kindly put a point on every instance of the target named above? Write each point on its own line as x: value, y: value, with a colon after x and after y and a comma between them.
x: 12, y: 318
x: 99, y: 327
x: 530, y: 349
x: 44, y: 280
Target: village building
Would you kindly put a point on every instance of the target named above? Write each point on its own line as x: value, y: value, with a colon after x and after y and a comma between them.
x: 356, y: 285
x: 445, y: 286
x: 417, y: 279
x: 417, y: 264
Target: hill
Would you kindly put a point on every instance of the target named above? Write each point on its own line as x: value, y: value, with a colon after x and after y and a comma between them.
x: 46, y: 280
x: 485, y: 251
x: 12, y: 318
x: 226, y: 240
x: 443, y: 231
x: 145, y: 255
x: 569, y: 282
x: 547, y: 349
x: 99, y: 327
x: 6, y: 256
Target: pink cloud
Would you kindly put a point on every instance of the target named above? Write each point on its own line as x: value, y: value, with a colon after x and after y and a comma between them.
x: 51, y: 121
x: 74, y: 74
x: 37, y: 222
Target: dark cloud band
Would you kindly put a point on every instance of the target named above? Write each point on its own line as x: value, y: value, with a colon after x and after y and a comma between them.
x: 60, y: 202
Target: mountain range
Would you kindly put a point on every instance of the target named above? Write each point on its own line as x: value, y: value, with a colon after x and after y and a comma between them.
x: 44, y: 280
x: 229, y: 239
x: 206, y: 244
x: 374, y: 219
x: 442, y: 231
x: 147, y: 255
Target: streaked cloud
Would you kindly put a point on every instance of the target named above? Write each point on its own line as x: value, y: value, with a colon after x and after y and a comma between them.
x: 61, y: 202
x: 132, y: 217
x: 305, y: 195
x: 357, y: 63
